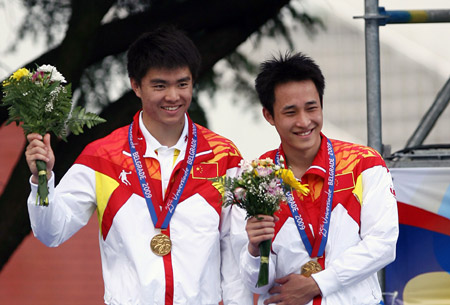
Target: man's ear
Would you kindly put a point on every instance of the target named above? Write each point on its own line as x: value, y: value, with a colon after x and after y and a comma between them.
x: 135, y: 86
x: 268, y: 116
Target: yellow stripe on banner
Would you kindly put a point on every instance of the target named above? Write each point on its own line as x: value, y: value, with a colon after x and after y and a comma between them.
x: 428, y: 288
x: 418, y: 16
x: 104, y: 187
x: 358, y: 191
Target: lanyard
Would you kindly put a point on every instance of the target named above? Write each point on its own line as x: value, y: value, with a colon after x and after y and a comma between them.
x: 162, y: 218
x: 315, y: 245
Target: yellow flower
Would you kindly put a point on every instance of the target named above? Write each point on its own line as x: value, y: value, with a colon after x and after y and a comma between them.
x: 288, y: 177
x: 16, y: 75
x: 255, y: 172
x: 20, y: 73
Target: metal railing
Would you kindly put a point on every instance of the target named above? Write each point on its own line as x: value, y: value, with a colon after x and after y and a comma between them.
x: 374, y: 17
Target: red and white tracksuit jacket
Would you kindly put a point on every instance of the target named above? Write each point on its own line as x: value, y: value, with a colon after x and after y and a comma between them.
x: 200, y: 269
x: 362, y: 234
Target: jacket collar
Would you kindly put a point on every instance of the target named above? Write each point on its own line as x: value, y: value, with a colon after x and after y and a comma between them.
x: 204, y: 150
x: 320, y: 163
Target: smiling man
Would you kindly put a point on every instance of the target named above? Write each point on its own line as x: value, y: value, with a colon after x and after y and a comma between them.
x: 163, y: 234
x: 326, y: 246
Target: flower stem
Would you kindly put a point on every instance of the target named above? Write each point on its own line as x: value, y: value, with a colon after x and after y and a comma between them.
x: 42, y: 183
x: 263, y: 276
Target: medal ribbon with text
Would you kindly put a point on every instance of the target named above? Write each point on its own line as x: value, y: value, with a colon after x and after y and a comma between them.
x: 161, y: 218
x: 314, y: 243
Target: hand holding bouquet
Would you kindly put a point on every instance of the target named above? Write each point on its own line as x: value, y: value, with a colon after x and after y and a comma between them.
x: 259, y: 189
x: 39, y: 101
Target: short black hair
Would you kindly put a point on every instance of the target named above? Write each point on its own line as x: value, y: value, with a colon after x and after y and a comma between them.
x: 290, y: 67
x: 166, y: 47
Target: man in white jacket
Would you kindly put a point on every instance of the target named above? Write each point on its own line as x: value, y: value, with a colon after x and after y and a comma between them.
x: 163, y: 234
x: 326, y: 246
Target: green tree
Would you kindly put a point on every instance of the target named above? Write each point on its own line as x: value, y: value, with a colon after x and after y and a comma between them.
x: 87, y: 42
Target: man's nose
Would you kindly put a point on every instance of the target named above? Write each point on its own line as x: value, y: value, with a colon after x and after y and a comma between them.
x: 302, y: 119
x: 172, y: 94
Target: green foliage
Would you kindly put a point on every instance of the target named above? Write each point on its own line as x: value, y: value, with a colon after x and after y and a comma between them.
x: 40, y: 102
x: 41, y: 105
x: 80, y: 117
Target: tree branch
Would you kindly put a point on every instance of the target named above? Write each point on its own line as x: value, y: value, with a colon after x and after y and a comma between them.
x: 217, y: 27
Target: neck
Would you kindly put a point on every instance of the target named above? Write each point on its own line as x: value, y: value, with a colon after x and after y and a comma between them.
x: 166, y: 135
x: 298, y: 164
x: 299, y: 161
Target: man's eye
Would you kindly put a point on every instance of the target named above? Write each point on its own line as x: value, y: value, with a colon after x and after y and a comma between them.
x: 183, y: 85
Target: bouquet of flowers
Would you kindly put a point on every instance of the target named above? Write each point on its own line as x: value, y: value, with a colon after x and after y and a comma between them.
x: 259, y: 189
x: 39, y: 101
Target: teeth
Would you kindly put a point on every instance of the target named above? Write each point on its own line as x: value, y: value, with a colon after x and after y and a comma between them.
x: 170, y: 108
x: 304, y: 133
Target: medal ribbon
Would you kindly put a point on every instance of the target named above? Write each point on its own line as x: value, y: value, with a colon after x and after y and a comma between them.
x: 315, y: 245
x: 162, y: 219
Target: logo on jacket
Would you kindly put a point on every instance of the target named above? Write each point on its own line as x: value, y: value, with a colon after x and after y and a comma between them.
x: 392, y: 190
x: 123, y: 177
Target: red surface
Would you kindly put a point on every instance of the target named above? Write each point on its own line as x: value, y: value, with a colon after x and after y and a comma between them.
x: 36, y: 274
x: 12, y: 141
x: 68, y: 274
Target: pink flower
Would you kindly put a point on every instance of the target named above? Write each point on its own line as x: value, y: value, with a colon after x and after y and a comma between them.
x: 239, y: 193
x: 37, y: 76
x: 263, y: 171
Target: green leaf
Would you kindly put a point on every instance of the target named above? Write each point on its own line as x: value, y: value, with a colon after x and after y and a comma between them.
x: 80, y: 117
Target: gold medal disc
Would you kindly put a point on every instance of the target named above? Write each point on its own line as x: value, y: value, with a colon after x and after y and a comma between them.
x: 161, y: 244
x: 310, y: 267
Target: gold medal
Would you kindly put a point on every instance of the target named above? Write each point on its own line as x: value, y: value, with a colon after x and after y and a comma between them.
x: 161, y: 244
x: 310, y: 267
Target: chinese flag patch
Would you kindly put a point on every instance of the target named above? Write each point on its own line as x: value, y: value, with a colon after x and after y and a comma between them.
x: 205, y: 170
x: 344, y: 182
